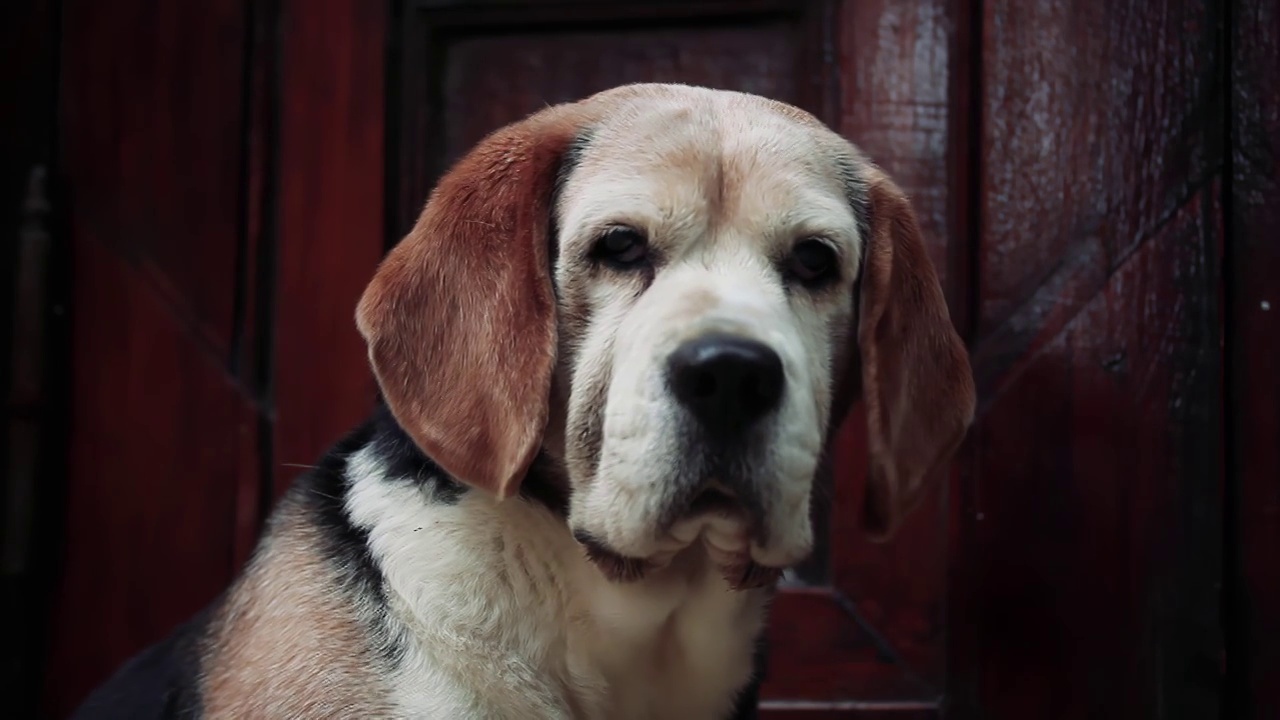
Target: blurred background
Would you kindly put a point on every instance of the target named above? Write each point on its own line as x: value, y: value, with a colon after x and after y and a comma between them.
x: 195, y: 193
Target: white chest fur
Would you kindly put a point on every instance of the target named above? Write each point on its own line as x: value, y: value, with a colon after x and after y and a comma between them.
x: 502, y: 616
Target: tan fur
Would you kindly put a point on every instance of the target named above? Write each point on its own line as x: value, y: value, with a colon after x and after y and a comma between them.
x: 448, y: 301
x: 288, y: 644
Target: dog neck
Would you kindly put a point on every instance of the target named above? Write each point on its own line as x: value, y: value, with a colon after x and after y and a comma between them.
x: 468, y: 576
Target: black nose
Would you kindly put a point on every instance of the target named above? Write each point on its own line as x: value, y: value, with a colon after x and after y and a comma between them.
x: 727, y: 382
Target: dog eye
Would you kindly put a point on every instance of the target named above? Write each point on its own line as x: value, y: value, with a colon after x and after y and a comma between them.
x: 621, y: 247
x: 812, y: 262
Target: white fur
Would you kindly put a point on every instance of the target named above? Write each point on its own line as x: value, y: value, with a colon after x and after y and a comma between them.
x: 503, y: 616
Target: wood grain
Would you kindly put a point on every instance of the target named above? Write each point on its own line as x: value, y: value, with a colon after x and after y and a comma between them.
x: 1096, y: 552
x: 331, y: 233
x: 1086, y: 550
x: 1099, y: 121
x: 530, y: 71
x: 1253, y: 353
x: 896, y: 67
x: 156, y: 438
x: 160, y: 443
x: 152, y: 102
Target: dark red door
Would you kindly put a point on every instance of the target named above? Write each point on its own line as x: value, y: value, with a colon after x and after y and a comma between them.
x: 223, y: 162
x: 236, y: 169
x: 165, y: 410
x: 1088, y: 531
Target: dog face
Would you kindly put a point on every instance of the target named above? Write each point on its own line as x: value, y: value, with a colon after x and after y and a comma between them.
x: 675, y: 292
x: 708, y: 248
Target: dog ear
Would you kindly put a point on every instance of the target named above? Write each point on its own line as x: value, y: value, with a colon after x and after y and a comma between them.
x: 460, y: 317
x: 916, y: 381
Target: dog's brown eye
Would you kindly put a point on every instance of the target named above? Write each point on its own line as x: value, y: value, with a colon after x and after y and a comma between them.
x: 622, y: 247
x: 812, y: 262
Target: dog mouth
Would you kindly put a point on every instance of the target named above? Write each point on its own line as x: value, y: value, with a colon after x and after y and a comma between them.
x: 717, y: 519
x: 713, y: 500
x: 614, y: 566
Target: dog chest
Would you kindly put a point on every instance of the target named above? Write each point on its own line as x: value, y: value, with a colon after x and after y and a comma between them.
x: 678, y: 644
x: 499, y: 605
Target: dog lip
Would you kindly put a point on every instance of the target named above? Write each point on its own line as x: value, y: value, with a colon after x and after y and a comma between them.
x: 614, y: 566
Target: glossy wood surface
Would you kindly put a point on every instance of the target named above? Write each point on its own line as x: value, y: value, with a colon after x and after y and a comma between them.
x: 1253, y: 354
x: 1098, y: 189
x: 150, y: 508
x: 1089, y: 517
x: 162, y: 430
x: 330, y: 233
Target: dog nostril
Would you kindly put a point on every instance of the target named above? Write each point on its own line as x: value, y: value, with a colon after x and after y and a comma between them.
x: 704, y: 385
x: 725, y: 381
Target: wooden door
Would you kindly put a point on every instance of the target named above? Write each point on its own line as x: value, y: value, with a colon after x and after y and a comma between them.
x: 165, y: 400
x: 1088, y: 530
x: 222, y: 163
x: 860, y: 627
x: 1251, y: 275
x: 234, y: 170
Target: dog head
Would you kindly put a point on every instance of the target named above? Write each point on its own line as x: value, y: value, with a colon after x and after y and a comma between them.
x: 676, y: 293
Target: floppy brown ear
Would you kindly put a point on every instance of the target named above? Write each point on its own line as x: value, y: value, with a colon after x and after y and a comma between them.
x: 460, y: 316
x: 916, y: 380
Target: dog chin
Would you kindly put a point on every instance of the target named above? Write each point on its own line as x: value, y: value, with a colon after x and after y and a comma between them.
x: 723, y: 536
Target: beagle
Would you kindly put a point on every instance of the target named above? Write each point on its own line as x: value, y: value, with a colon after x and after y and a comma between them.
x: 611, y: 354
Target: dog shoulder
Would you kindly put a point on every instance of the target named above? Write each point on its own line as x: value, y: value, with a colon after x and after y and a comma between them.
x: 306, y: 630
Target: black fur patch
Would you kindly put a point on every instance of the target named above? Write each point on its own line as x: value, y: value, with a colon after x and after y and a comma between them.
x: 404, y: 461
x: 323, y: 492
x: 547, y: 484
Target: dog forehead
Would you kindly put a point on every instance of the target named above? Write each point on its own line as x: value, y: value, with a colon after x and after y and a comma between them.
x: 676, y: 149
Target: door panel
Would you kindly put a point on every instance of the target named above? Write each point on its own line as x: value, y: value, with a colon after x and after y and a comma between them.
x: 236, y: 170
x: 161, y: 116
x: 160, y: 444
x: 1253, y: 354
x: 161, y: 448
x: 491, y: 80
x: 1096, y: 125
x: 331, y: 220
x: 1093, y: 459
x: 1089, y: 535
